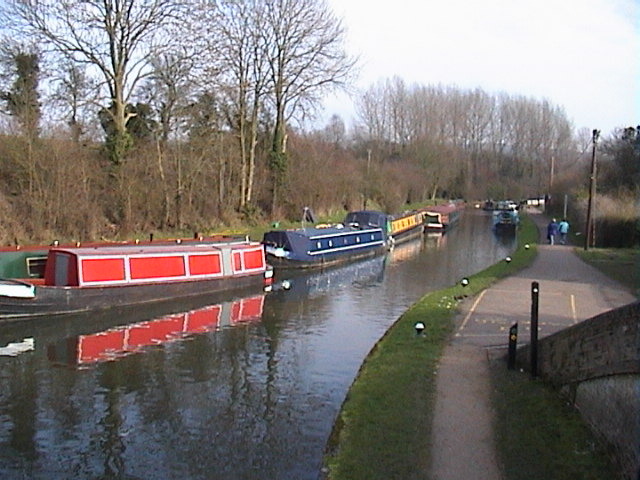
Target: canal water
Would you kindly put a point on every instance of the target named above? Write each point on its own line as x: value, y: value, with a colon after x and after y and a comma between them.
x: 246, y: 388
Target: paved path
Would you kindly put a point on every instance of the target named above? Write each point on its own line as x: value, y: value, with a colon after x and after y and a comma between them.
x: 570, y: 291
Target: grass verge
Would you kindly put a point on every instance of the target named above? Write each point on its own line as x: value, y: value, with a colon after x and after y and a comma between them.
x: 621, y: 264
x: 539, y: 435
x: 383, y: 429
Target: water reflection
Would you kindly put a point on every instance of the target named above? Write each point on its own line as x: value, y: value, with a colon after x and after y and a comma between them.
x: 120, y: 341
x: 301, y: 285
x: 249, y: 398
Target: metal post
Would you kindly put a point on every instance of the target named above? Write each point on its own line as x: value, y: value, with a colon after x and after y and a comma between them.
x: 589, y: 233
x: 513, y: 344
x: 535, y: 292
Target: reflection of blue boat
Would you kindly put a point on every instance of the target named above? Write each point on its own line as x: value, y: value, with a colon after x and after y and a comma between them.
x: 301, y: 285
x: 322, y: 247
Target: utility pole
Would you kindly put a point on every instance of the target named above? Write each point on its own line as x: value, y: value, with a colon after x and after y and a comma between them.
x: 589, y: 234
x: 552, y: 171
x: 367, y: 186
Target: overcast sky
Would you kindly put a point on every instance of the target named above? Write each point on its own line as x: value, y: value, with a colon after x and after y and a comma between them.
x: 581, y: 55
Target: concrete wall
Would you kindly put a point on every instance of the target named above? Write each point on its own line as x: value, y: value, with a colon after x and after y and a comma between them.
x: 596, y: 363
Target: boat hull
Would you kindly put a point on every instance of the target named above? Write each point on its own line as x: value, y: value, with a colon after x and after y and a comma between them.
x: 323, y: 260
x: 439, y: 218
x: 407, y: 235
x: 51, y: 301
x: 398, y: 228
x: 505, y: 221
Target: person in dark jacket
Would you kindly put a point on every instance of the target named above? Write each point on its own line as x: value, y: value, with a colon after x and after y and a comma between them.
x: 552, y: 231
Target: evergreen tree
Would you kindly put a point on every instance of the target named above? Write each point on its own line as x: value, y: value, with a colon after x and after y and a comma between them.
x: 22, y: 101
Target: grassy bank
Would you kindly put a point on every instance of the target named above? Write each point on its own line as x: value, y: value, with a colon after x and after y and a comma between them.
x: 621, y: 264
x: 383, y: 429
x: 539, y: 435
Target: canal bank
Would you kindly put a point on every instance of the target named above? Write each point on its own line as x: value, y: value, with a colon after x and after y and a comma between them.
x: 446, y: 424
x: 252, y: 394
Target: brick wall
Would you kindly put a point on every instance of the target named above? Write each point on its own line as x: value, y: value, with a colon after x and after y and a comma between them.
x: 596, y: 363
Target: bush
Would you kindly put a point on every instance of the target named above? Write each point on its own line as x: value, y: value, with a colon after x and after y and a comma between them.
x: 617, y: 233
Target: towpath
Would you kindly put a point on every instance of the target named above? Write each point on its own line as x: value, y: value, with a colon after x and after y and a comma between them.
x: 570, y: 291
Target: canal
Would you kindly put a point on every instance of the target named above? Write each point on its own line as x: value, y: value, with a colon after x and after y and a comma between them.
x: 247, y: 388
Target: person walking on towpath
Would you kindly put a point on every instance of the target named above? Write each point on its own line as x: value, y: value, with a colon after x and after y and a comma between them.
x: 563, y: 230
x: 463, y: 439
x: 552, y: 231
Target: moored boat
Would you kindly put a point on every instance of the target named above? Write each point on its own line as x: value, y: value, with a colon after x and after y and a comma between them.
x: 441, y: 217
x: 505, y: 217
x: 81, y: 279
x: 28, y: 261
x: 314, y: 247
x: 398, y: 228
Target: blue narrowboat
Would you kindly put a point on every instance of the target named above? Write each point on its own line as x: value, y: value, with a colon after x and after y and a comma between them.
x: 314, y: 247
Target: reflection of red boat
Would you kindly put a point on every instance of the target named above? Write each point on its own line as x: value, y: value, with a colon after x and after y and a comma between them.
x: 104, y: 277
x: 120, y: 341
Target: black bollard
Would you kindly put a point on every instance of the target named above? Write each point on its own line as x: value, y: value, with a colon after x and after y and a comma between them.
x: 513, y: 344
x: 535, y: 293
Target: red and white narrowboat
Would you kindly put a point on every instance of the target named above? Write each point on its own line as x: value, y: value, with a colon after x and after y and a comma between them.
x: 103, y: 277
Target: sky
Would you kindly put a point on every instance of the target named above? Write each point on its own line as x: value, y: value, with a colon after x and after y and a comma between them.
x: 580, y: 55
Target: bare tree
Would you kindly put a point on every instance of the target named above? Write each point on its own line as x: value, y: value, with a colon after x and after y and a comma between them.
x: 169, y: 91
x: 335, y: 132
x: 499, y: 138
x: 372, y: 111
x: 239, y: 48
x: 306, y: 58
x: 74, y: 92
x: 114, y: 37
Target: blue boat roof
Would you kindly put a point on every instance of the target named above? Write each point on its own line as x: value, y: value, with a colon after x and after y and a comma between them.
x: 306, y: 244
x: 315, y: 232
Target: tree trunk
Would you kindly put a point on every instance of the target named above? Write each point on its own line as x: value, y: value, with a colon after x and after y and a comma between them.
x: 165, y: 189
